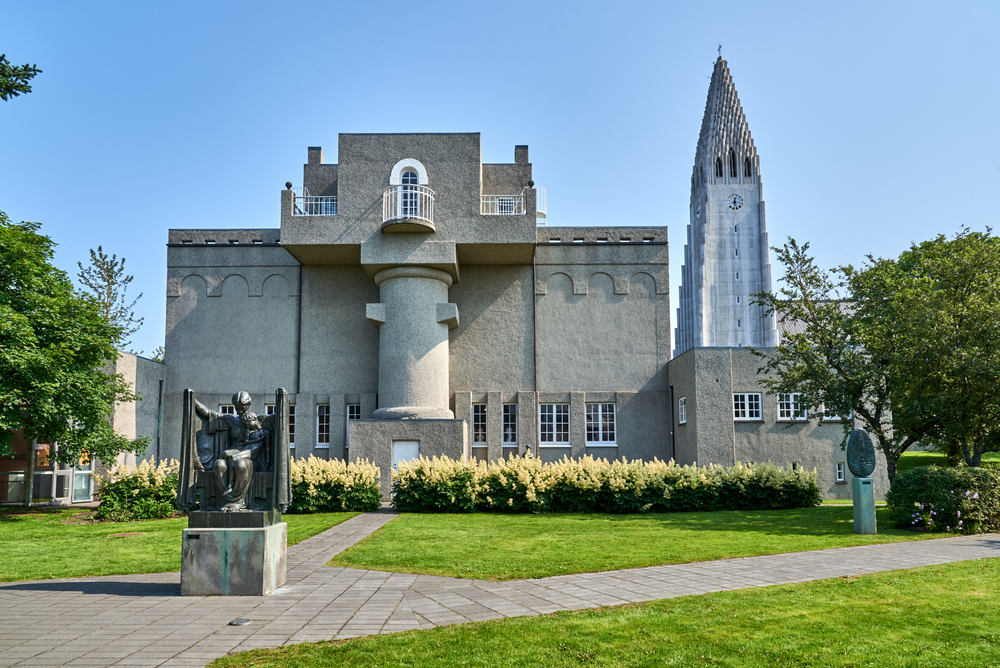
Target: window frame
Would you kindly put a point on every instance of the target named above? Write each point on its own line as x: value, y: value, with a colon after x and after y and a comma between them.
x: 322, y: 421
x: 682, y: 417
x: 509, y: 425
x: 351, y: 412
x: 841, y: 472
x: 479, y: 424
x: 749, y: 399
x: 556, y: 410
x: 291, y: 425
x: 791, y: 407
x: 600, y: 425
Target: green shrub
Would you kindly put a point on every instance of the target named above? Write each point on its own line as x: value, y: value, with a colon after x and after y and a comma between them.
x: 953, y: 499
x: 525, y: 484
x: 145, y: 493
x: 332, y: 485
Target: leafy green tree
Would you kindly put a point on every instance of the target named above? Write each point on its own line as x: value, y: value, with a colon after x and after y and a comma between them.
x: 847, y: 351
x: 54, y: 348
x: 106, y: 282
x: 13, y: 79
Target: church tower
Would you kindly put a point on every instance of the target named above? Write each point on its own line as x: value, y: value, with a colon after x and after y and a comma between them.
x: 726, y: 255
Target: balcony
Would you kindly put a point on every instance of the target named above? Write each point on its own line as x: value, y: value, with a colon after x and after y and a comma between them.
x: 305, y: 205
x: 408, y: 208
x: 502, y: 205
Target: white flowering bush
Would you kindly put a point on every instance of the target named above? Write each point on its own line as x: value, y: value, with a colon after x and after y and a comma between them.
x: 525, y: 484
x: 148, y: 491
x: 332, y: 485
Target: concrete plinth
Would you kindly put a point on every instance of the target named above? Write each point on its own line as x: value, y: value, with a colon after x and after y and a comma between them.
x: 864, y: 506
x: 373, y: 440
x: 233, y: 562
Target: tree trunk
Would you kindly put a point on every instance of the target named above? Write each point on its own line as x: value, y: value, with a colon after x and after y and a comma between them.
x: 890, y: 466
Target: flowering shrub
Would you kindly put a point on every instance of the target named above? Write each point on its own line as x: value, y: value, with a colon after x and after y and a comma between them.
x: 954, y: 499
x: 525, y: 484
x: 331, y: 485
x: 146, y: 492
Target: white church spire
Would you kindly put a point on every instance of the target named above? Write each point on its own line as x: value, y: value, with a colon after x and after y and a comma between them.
x: 726, y: 255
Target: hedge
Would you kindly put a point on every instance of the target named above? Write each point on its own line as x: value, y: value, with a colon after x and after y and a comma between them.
x: 526, y: 485
x: 952, y: 499
x: 144, y: 493
x: 331, y: 485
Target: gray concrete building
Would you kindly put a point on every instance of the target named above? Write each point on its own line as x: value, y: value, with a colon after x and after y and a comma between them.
x: 411, y: 303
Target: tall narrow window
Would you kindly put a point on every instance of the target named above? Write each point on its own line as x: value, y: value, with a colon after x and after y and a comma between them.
x: 732, y: 163
x: 291, y: 426
x: 553, y: 424
x: 479, y: 424
x: 509, y: 424
x: 323, y: 426
x: 747, y: 171
x: 718, y: 167
x: 408, y: 203
x: 600, y: 424
x: 353, y: 413
x: 682, y: 411
x: 841, y: 473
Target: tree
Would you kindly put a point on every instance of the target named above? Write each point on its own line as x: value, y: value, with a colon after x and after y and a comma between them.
x: 53, y: 346
x: 107, y: 282
x: 848, y: 351
x: 14, y: 80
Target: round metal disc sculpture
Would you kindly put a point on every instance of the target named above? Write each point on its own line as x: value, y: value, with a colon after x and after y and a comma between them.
x: 860, y: 454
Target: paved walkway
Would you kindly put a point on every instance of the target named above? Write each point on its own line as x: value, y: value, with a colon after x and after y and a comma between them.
x: 140, y: 620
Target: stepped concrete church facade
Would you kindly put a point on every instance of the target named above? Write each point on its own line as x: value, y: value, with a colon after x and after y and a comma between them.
x: 411, y: 303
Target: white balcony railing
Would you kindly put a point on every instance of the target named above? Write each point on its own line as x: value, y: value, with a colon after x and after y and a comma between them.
x: 315, y: 206
x: 502, y: 205
x: 409, y: 202
x: 541, y: 200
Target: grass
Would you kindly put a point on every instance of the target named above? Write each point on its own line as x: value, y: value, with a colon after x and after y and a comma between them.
x: 64, y: 543
x: 911, y: 459
x: 933, y: 616
x: 505, y: 547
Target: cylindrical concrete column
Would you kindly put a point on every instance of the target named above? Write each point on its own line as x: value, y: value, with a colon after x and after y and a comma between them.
x: 413, y: 343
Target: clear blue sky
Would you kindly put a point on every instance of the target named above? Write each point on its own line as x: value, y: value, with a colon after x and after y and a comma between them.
x: 875, y: 121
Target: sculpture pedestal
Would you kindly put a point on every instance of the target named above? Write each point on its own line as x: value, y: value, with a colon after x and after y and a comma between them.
x: 864, y: 506
x: 233, y: 561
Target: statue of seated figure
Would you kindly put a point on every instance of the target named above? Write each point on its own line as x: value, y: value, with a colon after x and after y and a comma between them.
x: 237, y: 462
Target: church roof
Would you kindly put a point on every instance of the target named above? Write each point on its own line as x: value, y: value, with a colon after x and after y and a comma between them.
x: 724, y: 126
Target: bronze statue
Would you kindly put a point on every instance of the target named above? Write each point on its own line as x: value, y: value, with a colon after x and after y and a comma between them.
x: 234, y: 463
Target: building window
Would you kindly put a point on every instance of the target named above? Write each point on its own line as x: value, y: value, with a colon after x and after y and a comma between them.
x: 227, y: 409
x: 841, y: 474
x: 746, y: 406
x: 746, y: 168
x: 739, y: 323
x: 323, y: 426
x: 737, y: 299
x: 510, y: 424
x: 353, y: 413
x: 792, y: 407
x: 408, y: 202
x: 737, y: 276
x: 553, y: 424
x: 737, y: 250
x: 479, y: 423
x: 291, y: 426
x: 718, y: 167
x: 732, y: 163
x: 833, y: 417
x: 505, y: 206
x: 682, y: 411
x: 600, y: 424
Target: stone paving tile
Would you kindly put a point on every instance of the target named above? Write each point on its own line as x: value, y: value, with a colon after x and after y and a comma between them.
x: 141, y: 620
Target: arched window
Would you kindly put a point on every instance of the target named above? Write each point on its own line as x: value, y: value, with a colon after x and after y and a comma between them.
x: 746, y: 168
x: 718, y: 166
x: 408, y: 204
x: 732, y: 163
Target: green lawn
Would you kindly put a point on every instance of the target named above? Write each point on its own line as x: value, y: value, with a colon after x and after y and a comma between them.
x: 914, y: 458
x: 45, y: 544
x: 934, y: 616
x: 505, y: 547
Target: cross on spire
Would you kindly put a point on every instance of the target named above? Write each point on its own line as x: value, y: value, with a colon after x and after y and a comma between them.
x: 720, y: 49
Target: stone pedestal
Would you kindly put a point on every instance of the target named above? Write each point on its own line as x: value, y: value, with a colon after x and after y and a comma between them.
x: 232, y: 561
x: 864, y: 506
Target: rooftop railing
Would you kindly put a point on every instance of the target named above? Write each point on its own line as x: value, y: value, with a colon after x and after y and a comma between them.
x: 315, y: 206
x: 408, y: 202
x: 502, y: 205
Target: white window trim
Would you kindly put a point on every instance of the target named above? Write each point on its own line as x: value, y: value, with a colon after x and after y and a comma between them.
x: 481, y: 408
x: 841, y: 472
x: 396, y: 175
x: 682, y: 416
x: 795, y: 400
x: 347, y: 422
x: 323, y: 446
x: 553, y: 444
x: 830, y: 417
x: 503, y: 435
x: 747, y: 395
x: 601, y: 408
x: 291, y: 419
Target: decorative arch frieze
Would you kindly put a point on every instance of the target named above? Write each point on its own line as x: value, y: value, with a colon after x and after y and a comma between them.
x: 214, y: 277
x: 580, y: 276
